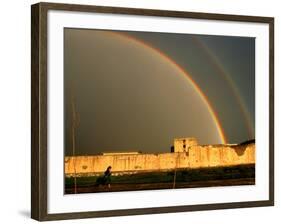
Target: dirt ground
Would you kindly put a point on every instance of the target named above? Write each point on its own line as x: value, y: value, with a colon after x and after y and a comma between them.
x: 152, y: 186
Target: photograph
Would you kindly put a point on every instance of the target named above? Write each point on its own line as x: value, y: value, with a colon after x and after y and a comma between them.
x: 157, y: 110
x: 139, y: 111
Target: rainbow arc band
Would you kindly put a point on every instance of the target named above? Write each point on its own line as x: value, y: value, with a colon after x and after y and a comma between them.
x: 186, y: 74
x: 215, y: 62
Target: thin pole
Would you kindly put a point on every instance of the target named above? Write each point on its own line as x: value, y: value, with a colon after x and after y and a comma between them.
x: 175, y: 172
x: 74, y: 125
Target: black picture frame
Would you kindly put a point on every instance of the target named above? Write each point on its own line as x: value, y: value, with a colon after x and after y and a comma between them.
x: 39, y: 105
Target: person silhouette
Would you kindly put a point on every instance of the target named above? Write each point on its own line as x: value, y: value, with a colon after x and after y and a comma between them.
x: 106, y: 178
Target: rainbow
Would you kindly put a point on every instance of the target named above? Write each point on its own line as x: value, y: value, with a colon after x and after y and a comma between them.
x: 235, y: 91
x: 185, y: 73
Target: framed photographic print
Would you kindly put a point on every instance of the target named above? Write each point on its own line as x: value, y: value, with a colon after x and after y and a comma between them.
x: 139, y: 111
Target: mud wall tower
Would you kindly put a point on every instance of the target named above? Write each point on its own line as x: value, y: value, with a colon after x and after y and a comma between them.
x: 182, y: 144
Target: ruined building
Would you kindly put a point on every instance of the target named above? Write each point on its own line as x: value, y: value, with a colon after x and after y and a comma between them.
x: 185, y: 153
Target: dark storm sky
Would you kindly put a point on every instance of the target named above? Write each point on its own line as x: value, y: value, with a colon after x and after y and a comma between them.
x: 128, y: 99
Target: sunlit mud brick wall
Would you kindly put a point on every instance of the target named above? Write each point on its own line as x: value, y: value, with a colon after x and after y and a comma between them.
x: 186, y: 153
